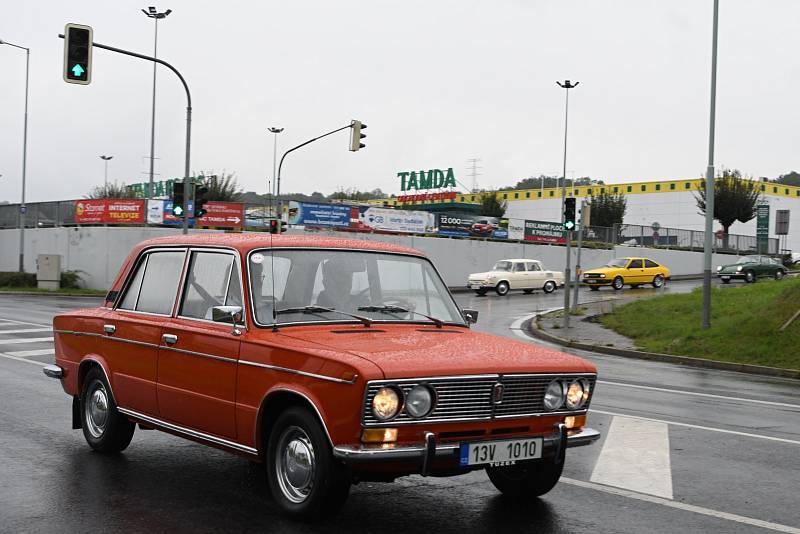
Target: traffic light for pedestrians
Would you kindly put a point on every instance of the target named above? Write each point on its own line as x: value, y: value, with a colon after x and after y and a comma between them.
x: 77, y: 54
x: 569, y: 213
x: 200, y: 199
x: 356, y: 136
x: 178, y: 200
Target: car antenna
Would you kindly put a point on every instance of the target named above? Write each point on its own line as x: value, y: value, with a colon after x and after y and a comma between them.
x: 272, y: 263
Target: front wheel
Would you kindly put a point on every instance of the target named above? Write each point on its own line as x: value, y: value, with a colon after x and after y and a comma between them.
x: 658, y: 281
x: 502, y: 288
x: 105, y: 429
x: 779, y: 274
x: 305, y: 480
x: 750, y: 277
x: 618, y: 283
x: 531, y: 479
x: 549, y: 286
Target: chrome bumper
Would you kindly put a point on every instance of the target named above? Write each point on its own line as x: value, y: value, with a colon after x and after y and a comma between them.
x: 431, y: 450
x: 53, y: 371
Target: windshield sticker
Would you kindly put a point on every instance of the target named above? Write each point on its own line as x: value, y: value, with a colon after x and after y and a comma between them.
x: 257, y: 258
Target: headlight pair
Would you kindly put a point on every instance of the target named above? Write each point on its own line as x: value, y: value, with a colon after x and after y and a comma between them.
x: 572, y: 395
x: 389, y: 401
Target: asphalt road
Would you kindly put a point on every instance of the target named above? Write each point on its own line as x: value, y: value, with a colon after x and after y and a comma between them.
x: 684, y: 450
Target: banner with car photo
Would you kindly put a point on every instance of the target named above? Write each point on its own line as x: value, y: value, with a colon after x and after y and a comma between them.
x: 470, y: 225
x: 395, y: 221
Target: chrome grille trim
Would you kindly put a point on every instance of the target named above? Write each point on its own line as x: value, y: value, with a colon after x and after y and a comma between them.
x: 469, y: 398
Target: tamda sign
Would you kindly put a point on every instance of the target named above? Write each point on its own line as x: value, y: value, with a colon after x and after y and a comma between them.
x: 425, y: 180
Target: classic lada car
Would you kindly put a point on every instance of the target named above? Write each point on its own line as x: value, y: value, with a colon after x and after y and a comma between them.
x: 634, y: 272
x: 523, y: 274
x: 329, y: 361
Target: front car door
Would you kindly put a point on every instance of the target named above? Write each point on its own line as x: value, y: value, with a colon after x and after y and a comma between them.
x: 197, y: 361
x: 635, y: 273
x: 518, y: 277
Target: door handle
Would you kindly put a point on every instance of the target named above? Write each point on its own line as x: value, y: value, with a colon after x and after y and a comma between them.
x: 109, y: 328
x: 169, y: 339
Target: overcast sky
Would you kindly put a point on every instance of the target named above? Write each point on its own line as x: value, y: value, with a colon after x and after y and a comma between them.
x: 437, y: 82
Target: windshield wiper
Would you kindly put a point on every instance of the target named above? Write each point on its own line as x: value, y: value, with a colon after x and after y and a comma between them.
x: 320, y: 309
x: 399, y: 309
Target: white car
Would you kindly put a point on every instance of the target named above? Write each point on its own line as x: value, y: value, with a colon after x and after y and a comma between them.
x: 516, y: 274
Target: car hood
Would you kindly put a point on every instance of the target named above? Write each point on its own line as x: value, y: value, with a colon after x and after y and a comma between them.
x: 603, y: 270
x: 415, y: 350
x: 731, y: 268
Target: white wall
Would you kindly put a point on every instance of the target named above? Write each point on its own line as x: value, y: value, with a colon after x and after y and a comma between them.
x: 100, y: 251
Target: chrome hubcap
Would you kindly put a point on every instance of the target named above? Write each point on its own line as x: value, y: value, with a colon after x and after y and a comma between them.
x: 659, y: 281
x: 96, y: 411
x: 295, y: 464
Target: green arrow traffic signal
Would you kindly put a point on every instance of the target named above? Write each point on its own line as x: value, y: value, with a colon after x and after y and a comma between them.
x: 77, y: 70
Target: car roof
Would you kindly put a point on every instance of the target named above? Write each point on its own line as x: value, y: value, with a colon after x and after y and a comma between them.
x: 521, y: 259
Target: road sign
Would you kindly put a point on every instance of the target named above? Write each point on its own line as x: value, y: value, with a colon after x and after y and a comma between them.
x: 762, y: 228
x: 77, y: 54
x: 655, y: 226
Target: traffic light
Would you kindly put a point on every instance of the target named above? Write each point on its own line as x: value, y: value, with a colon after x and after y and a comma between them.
x: 276, y: 226
x: 356, y: 136
x: 569, y: 213
x: 77, y: 54
x: 200, y: 199
x: 178, y: 200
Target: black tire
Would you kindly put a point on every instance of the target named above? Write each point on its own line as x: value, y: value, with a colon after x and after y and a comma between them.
x: 105, y: 429
x: 323, y: 488
x: 502, y: 288
x: 658, y: 281
x: 529, y: 479
x: 594, y: 288
x: 750, y: 277
x: 527, y: 291
x: 779, y: 274
x: 480, y: 292
x: 549, y: 286
x: 618, y: 283
x: 724, y: 281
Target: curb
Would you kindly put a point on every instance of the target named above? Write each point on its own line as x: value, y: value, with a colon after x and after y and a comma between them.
x: 533, y: 330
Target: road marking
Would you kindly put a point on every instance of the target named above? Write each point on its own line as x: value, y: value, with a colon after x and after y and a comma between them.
x: 10, y: 357
x: 681, y: 506
x: 21, y: 322
x: 635, y: 456
x: 25, y: 331
x: 700, y: 427
x: 28, y: 340
x: 697, y: 394
x: 27, y: 353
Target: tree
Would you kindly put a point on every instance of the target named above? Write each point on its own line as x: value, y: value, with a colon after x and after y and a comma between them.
x: 354, y: 194
x: 535, y: 182
x: 735, y: 199
x: 490, y: 206
x: 112, y: 190
x: 792, y: 178
x: 608, y: 209
x: 221, y: 188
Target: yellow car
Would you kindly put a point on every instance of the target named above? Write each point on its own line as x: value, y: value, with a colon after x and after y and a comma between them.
x: 627, y: 271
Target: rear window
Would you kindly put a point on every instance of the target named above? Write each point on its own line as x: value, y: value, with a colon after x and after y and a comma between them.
x: 155, y: 283
x: 650, y: 263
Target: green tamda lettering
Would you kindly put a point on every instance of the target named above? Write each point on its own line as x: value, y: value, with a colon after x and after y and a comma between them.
x: 450, y: 179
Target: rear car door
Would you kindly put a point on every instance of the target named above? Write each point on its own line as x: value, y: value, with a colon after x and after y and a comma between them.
x: 652, y: 269
x: 132, y: 331
x: 197, y: 361
x: 536, y: 277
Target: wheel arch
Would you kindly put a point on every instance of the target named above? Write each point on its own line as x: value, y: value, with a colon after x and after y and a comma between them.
x: 274, y: 403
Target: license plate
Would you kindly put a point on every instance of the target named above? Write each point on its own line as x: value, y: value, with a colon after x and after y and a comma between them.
x: 725, y: 277
x: 474, y: 286
x: 501, y: 452
x: 590, y: 281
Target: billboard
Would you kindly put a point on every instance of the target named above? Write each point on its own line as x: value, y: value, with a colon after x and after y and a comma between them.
x: 218, y: 214
x: 313, y: 214
x: 469, y: 225
x: 109, y: 211
x: 544, y: 232
x: 401, y: 221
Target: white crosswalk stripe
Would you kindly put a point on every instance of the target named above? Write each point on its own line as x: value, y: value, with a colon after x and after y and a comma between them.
x: 24, y: 331
x: 27, y: 353
x: 26, y: 340
x: 15, y: 333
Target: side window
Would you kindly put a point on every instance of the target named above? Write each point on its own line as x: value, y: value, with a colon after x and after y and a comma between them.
x: 650, y: 264
x: 132, y: 295
x: 207, y: 284
x: 635, y: 264
x: 160, y: 282
x: 519, y: 267
x: 533, y: 266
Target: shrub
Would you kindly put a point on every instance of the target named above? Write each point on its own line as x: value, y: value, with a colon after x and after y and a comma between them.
x: 16, y: 279
x: 71, y: 279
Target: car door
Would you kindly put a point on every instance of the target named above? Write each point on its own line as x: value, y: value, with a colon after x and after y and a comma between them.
x: 536, y: 277
x: 651, y: 269
x: 635, y: 273
x: 519, y: 277
x: 197, y: 360
x: 132, y: 330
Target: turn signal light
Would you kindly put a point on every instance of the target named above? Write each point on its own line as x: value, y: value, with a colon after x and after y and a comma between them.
x: 379, y: 435
x: 575, y: 421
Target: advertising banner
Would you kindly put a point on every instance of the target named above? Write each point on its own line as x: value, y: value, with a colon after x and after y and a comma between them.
x: 544, y: 232
x: 312, y: 214
x: 516, y: 229
x: 109, y: 211
x: 469, y: 225
x: 155, y: 211
x: 401, y: 221
x: 762, y: 228
x: 223, y: 214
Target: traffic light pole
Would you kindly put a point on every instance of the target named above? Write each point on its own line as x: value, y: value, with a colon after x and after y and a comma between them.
x: 582, y: 219
x: 190, y: 198
x: 567, y: 85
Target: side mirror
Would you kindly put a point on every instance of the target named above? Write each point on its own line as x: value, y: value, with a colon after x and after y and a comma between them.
x: 471, y: 316
x: 228, y: 314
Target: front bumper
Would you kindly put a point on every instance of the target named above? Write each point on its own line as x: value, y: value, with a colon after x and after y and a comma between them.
x: 597, y: 281
x: 432, y: 451
x: 737, y: 275
x: 471, y: 284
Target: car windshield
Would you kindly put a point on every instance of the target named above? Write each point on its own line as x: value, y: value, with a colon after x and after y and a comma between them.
x: 502, y: 266
x: 619, y: 262
x: 320, y: 285
x: 748, y: 259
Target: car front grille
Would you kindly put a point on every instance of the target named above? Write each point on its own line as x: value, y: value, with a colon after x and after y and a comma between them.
x: 470, y: 398
x: 592, y: 275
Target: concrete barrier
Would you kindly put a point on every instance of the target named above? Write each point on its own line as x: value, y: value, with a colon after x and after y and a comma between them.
x: 99, y: 251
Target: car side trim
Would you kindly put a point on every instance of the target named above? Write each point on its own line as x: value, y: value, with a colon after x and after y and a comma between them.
x: 188, y: 431
x: 301, y: 373
x: 200, y: 354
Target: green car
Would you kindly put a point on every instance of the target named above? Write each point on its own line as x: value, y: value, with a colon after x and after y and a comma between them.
x: 748, y: 268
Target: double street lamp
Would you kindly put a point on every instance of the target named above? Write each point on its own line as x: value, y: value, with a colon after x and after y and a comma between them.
x: 152, y: 13
x: 567, y: 85
x: 105, y: 175
x: 22, y: 208
x: 274, y: 130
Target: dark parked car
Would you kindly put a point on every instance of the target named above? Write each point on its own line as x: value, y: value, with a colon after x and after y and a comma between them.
x: 748, y: 268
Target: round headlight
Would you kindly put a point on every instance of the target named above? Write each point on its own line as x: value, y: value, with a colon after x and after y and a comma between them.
x: 419, y: 401
x: 602, y: 275
x: 574, y: 395
x: 719, y: 267
x: 386, y: 403
x: 585, y: 384
x: 554, y: 395
x: 739, y: 268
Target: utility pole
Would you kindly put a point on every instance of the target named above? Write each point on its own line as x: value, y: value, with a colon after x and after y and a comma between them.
x: 567, y: 85
x: 275, y: 131
x: 709, y: 233
x: 474, y: 173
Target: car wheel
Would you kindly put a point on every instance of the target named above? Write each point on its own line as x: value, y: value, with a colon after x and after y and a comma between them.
x: 527, y: 291
x: 530, y: 479
x: 618, y: 283
x: 305, y: 480
x: 480, y: 292
x: 549, y: 286
x: 502, y: 288
x: 750, y: 277
x: 594, y: 288
x: 658, y: 281
x: 105, y: 429
x: 779, y: 274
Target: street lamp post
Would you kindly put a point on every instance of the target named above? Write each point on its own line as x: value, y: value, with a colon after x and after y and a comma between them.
x: 152, y: 13
x: 105, y: 174
x: 275, y: 131
x: 567, y: 85
x: 22, y: 207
